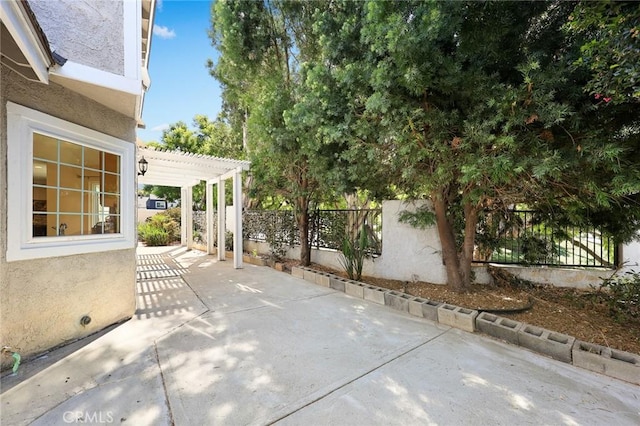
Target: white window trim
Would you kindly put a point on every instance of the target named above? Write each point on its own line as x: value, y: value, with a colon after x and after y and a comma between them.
x: 22, y: 122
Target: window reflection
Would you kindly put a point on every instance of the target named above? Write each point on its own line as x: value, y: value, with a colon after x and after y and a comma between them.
x: 76, y: 189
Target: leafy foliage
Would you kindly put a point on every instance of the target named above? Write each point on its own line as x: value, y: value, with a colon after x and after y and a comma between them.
x: 152, y: 236
x: 160, y: 229
x: 215, y: 138
x: 623, y: 298
x: 610, y: 35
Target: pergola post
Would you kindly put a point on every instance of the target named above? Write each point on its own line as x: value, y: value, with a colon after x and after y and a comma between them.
x: 208, y: 214
x: 187, y: 218
x: 222, y: 224
x: 237, y: 210
x: 183, y: 216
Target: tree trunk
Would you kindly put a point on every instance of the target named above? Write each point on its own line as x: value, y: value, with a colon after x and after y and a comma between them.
x: 457, y: 262
x: 466, y: 255
x: 448, y: 242
x: 302, y: 217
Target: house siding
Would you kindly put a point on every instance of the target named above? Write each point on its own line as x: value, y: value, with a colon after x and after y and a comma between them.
x: 87, y: 32
x: 43, y: 300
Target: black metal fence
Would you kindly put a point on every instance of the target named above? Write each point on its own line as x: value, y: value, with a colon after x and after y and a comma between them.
x: 327, y: 228
x: 522, y: 237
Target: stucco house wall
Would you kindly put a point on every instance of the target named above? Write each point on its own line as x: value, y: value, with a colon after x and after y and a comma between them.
x: 90, y: 32
x: 43, y: 300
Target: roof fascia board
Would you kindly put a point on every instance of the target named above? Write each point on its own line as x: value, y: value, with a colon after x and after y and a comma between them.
x: 152, y: 18
x: 132, y: 39
x: 14, y: 17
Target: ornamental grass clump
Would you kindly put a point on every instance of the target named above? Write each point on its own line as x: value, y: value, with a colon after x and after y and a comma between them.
x: 354, y: 251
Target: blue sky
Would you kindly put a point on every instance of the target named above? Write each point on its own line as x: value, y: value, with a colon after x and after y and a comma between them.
x: 181, y: 86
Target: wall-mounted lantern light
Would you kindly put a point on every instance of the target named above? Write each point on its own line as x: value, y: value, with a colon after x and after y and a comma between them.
x: 143, y: 165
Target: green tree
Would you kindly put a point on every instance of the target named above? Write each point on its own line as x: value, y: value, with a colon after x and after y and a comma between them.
x: 477, y: 106
x: 215, y: 138
x: 609, y: 36
x: 262, y: 48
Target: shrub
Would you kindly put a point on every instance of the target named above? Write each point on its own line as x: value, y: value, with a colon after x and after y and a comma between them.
x: 159, y: 230
x: 153, y: 236
x: 175, y: 214
x: 623, y: 296
x: 228, y: 241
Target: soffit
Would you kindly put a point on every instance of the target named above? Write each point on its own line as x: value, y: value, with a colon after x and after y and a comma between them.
x: 23, y: 45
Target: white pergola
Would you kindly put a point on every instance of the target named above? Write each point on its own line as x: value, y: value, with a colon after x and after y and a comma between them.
x: 185, y: 170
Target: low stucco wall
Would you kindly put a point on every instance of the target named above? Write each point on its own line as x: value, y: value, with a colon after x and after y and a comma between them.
x: 559, y: 277
x: 43, y: 300
x: 631, y: 256
x: 410, y: 254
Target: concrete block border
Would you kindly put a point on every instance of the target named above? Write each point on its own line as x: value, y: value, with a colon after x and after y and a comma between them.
x: 374, y: 294
x: 337, y: 283
x: 397, y: 300
x: 455, y: 316
x: 415, y: 306
x: 323, y: 279
x: 297, y: 271
x: 502, y: 328
x: 556, y: 345
x: 309, y: 275
x: 614, y: 363
x: 430, y: 310
x: 610, y: 362
x: 354, y: 288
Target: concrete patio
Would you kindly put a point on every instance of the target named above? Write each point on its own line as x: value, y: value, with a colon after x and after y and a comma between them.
x: 210, y: 344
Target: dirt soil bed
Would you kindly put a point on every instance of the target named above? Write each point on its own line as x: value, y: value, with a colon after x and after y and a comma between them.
x: 578, y: 313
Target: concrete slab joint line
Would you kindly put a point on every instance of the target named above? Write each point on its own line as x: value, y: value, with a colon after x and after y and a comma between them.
x: 359, y: 377
x: 164, y: 385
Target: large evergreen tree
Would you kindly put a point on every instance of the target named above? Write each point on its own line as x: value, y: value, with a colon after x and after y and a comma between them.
x: 478, y: 105
x: 262, y: 48
x: 474, y: 106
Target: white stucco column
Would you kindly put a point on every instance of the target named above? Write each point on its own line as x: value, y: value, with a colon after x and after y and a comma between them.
x: 237, y: 210
x: 208, y: 213
x: 222, y: 223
